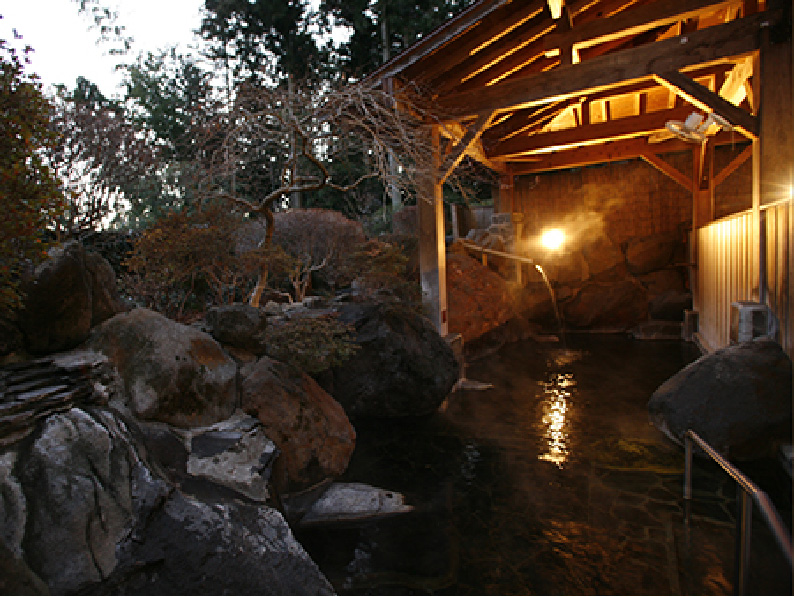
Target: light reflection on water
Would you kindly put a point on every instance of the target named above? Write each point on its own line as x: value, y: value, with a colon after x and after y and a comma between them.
x: 556, y: 397
x: 556, y: 402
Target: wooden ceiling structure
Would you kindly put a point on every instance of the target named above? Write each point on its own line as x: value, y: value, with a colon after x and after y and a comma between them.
x: 529, y: 86
x: 597, y: 83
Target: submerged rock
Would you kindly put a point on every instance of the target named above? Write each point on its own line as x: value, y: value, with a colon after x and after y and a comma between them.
x: 347, y: 502
x: 738, y: 399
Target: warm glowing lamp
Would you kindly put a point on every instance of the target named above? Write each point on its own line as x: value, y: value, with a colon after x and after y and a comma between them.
x: 553, y: 239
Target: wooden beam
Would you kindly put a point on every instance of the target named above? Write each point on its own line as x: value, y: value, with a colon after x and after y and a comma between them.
x: 612, y: 130
x: 480, y: 39
x: 667, y: 169
x: 608, y: 152
x: 738, y: 161
x: 709, y: 101
x: 524, y: 41
x: 737, y: 38
x: 634, y: 21
x: 435, y: 40
x: 523, y: 120
x: 463, y: 146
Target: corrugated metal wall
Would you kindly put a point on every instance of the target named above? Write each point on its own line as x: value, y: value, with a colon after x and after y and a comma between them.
x: 779, y: 235
x: 727, y: 254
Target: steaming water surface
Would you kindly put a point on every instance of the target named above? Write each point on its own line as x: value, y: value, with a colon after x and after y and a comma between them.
x: 551, y: 482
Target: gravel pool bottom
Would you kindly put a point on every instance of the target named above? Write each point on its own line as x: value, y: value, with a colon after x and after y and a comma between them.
x: 551, y: 482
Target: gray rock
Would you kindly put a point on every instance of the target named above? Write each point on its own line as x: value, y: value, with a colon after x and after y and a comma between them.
x: 172, y: 373
x: 238, y: 325
x: 76, y: 480
x: 347, y: 502
x: 81, y: 510
x: 189, y: 546
x: 13, y: 506
x: 738, y: 399
x: 234, y: 453
x: 403, y: 368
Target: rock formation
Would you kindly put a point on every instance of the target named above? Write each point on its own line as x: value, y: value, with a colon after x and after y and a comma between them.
x: 403, y: 368
x: 738, y: 399
x: 172, y: 373
x: 65, y: 296
x: 310, y: 428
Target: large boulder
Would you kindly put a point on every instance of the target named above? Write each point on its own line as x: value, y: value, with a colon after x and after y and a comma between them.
x: 73, y: 499
x: 190, y: 546
x: 310, y: 428
x: 238, y: 325
x: 602, y: 255
x: 65, y: 296
x: 82, y: 510
x: 738, y: 399
x: 171, y: 372
x: 403, y: 368
x: 646, y: 254
x: 478, y: 299
x: 105, y: 299
x: 609, y: 304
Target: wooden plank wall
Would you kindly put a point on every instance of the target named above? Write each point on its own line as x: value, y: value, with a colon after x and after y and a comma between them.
x: 728, y: 270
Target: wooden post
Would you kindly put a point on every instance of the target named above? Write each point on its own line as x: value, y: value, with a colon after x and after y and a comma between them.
x: 703, y: 185
x: 433, y: 269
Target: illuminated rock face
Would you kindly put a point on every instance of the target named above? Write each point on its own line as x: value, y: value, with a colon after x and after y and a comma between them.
x: 83, y: 508
x: 738, y: 399
x: 310, y: 428
x: 478, y: 299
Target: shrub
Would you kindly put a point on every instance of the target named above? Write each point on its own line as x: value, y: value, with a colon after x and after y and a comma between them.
x: 311, y: 344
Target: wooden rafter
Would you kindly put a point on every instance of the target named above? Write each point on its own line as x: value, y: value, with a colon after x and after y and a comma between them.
x: 461, y: 148
x: 660, y: 164
x: 706, y: 100
x: 523, y: 121
x: 708, y: 46
x: 491, y: 31
x: 524, y: 42
x: 607, y: 152
x: 634, y: 21
x: 613, y: 130
x: 436, y: 39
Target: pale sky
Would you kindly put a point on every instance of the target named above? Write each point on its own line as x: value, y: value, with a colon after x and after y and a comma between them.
x: 65, y: 46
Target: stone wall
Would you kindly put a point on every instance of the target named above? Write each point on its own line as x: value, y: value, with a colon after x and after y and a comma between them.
x: 629, y: 199
x: 625, y: 199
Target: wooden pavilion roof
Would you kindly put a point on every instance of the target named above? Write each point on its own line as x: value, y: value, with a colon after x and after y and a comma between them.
x: 532, y: 85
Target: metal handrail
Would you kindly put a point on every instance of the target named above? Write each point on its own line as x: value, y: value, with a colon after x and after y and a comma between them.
x: 745, y: 489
